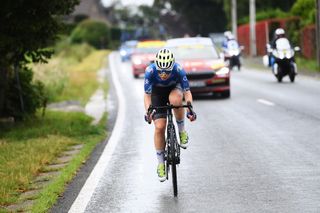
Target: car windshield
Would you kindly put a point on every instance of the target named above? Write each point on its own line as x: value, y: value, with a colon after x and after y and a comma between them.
x: 194, y: 52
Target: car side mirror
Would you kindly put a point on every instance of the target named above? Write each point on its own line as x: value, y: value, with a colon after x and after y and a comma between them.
x: 297, y: 49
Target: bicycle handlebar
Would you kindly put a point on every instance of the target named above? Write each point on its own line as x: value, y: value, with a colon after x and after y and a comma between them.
x: 170, y: 106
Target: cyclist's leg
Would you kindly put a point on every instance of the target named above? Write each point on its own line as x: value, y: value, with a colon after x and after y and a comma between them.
x: 159, y: 97
x: 159, y: 133
x: 159, y: 143
x: 176, y: 98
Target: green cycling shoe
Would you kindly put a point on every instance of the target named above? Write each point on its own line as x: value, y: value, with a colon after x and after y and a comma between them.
x: 184, y: 139
x: 161, y: 172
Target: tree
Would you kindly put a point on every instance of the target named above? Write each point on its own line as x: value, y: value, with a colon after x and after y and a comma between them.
x: 27, y: 28
x: 95, y: 33
x: 261, y: 6
x: 306, y: 10
x: 203, y: 16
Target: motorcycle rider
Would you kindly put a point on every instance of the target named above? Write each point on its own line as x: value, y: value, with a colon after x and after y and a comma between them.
x: 228, y: 44
x: 229, y: 38
x: 278, y: 33
x: 281, y: 56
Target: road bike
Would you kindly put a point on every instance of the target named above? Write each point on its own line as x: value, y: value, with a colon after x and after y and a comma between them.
x: 172, y: 149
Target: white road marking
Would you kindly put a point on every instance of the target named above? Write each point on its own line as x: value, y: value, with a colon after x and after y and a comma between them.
x: 81, y: 202
x: 262, y: 101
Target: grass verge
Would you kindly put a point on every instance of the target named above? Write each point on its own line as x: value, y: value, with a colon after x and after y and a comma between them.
x: 69, y: 73
x: 307, y: 64
x: 27, y: 148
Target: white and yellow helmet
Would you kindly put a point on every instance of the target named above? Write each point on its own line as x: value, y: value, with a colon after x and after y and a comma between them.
x: 164, y: 60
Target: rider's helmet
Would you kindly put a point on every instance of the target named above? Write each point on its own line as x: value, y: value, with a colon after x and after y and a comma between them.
x: 279, y: 33
x: 227, y: 34
x: 164, y: 60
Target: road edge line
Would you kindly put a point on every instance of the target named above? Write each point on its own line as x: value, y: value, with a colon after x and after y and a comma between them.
x: 84, y: 196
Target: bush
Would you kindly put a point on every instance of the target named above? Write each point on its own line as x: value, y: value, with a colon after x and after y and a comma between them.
x: 67, y: 28
x: 33, y: 95
x: 94, y: 33
x: 77, y: 52
x: 267, y: 14
x: 306, y: 10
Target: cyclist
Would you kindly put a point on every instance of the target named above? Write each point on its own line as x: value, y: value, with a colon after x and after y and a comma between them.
x: 166, y: 81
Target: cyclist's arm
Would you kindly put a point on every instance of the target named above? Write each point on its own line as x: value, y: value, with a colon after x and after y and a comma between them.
x: 184, y: 84
x: 188, y: 96
x: 147, y: 101
x: 147, y: 87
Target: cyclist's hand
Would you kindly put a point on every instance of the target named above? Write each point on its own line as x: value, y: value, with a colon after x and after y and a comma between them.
x: 148, y: 117
x: 191, y: 116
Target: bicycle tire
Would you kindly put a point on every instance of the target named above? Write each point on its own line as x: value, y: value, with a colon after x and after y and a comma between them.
x: 173, y: 163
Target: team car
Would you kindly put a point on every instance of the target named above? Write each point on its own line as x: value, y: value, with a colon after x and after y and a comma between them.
x: 144, y: 54
x: 206, y: 70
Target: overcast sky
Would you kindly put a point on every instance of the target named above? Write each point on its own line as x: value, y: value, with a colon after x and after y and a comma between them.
x: 129, y: 2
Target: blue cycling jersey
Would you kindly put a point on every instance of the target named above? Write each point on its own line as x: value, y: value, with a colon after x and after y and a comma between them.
x: 177, y: 76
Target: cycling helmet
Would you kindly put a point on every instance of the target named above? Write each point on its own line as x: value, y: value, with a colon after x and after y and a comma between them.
x: 164, y: 60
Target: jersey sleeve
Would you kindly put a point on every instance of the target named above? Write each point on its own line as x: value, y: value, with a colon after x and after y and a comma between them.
x: 183, y: 78
x: 148, y: 80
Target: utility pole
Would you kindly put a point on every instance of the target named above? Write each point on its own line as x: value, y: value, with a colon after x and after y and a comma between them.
x: 234, y: 18
x: 318, y: 30
x: 253, y: 47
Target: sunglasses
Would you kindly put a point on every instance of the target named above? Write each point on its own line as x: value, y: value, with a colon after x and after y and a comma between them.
x: 161, y: 72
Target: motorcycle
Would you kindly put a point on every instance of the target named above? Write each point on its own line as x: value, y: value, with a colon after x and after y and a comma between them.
x: 282, y: 59
x: 232, y: 54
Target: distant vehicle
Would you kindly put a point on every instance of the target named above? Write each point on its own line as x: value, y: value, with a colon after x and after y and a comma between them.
x: 126, y: 49
x: 232, y: 54
x: 283, y: 59
x: 144, y: 53
x: 206, y: 70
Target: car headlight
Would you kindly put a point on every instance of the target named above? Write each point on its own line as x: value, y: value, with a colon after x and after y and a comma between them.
x: 137, y: 61
x: 223, y: 71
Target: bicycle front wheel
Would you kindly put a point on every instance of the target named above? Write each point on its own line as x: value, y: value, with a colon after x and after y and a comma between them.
x: 174, y: 165
x: 174, y: 178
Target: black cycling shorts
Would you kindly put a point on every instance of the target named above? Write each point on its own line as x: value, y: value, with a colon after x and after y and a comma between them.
x: 160, y: 97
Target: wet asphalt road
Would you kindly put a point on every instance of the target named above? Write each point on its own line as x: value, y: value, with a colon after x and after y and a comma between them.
x: 258, y: 151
